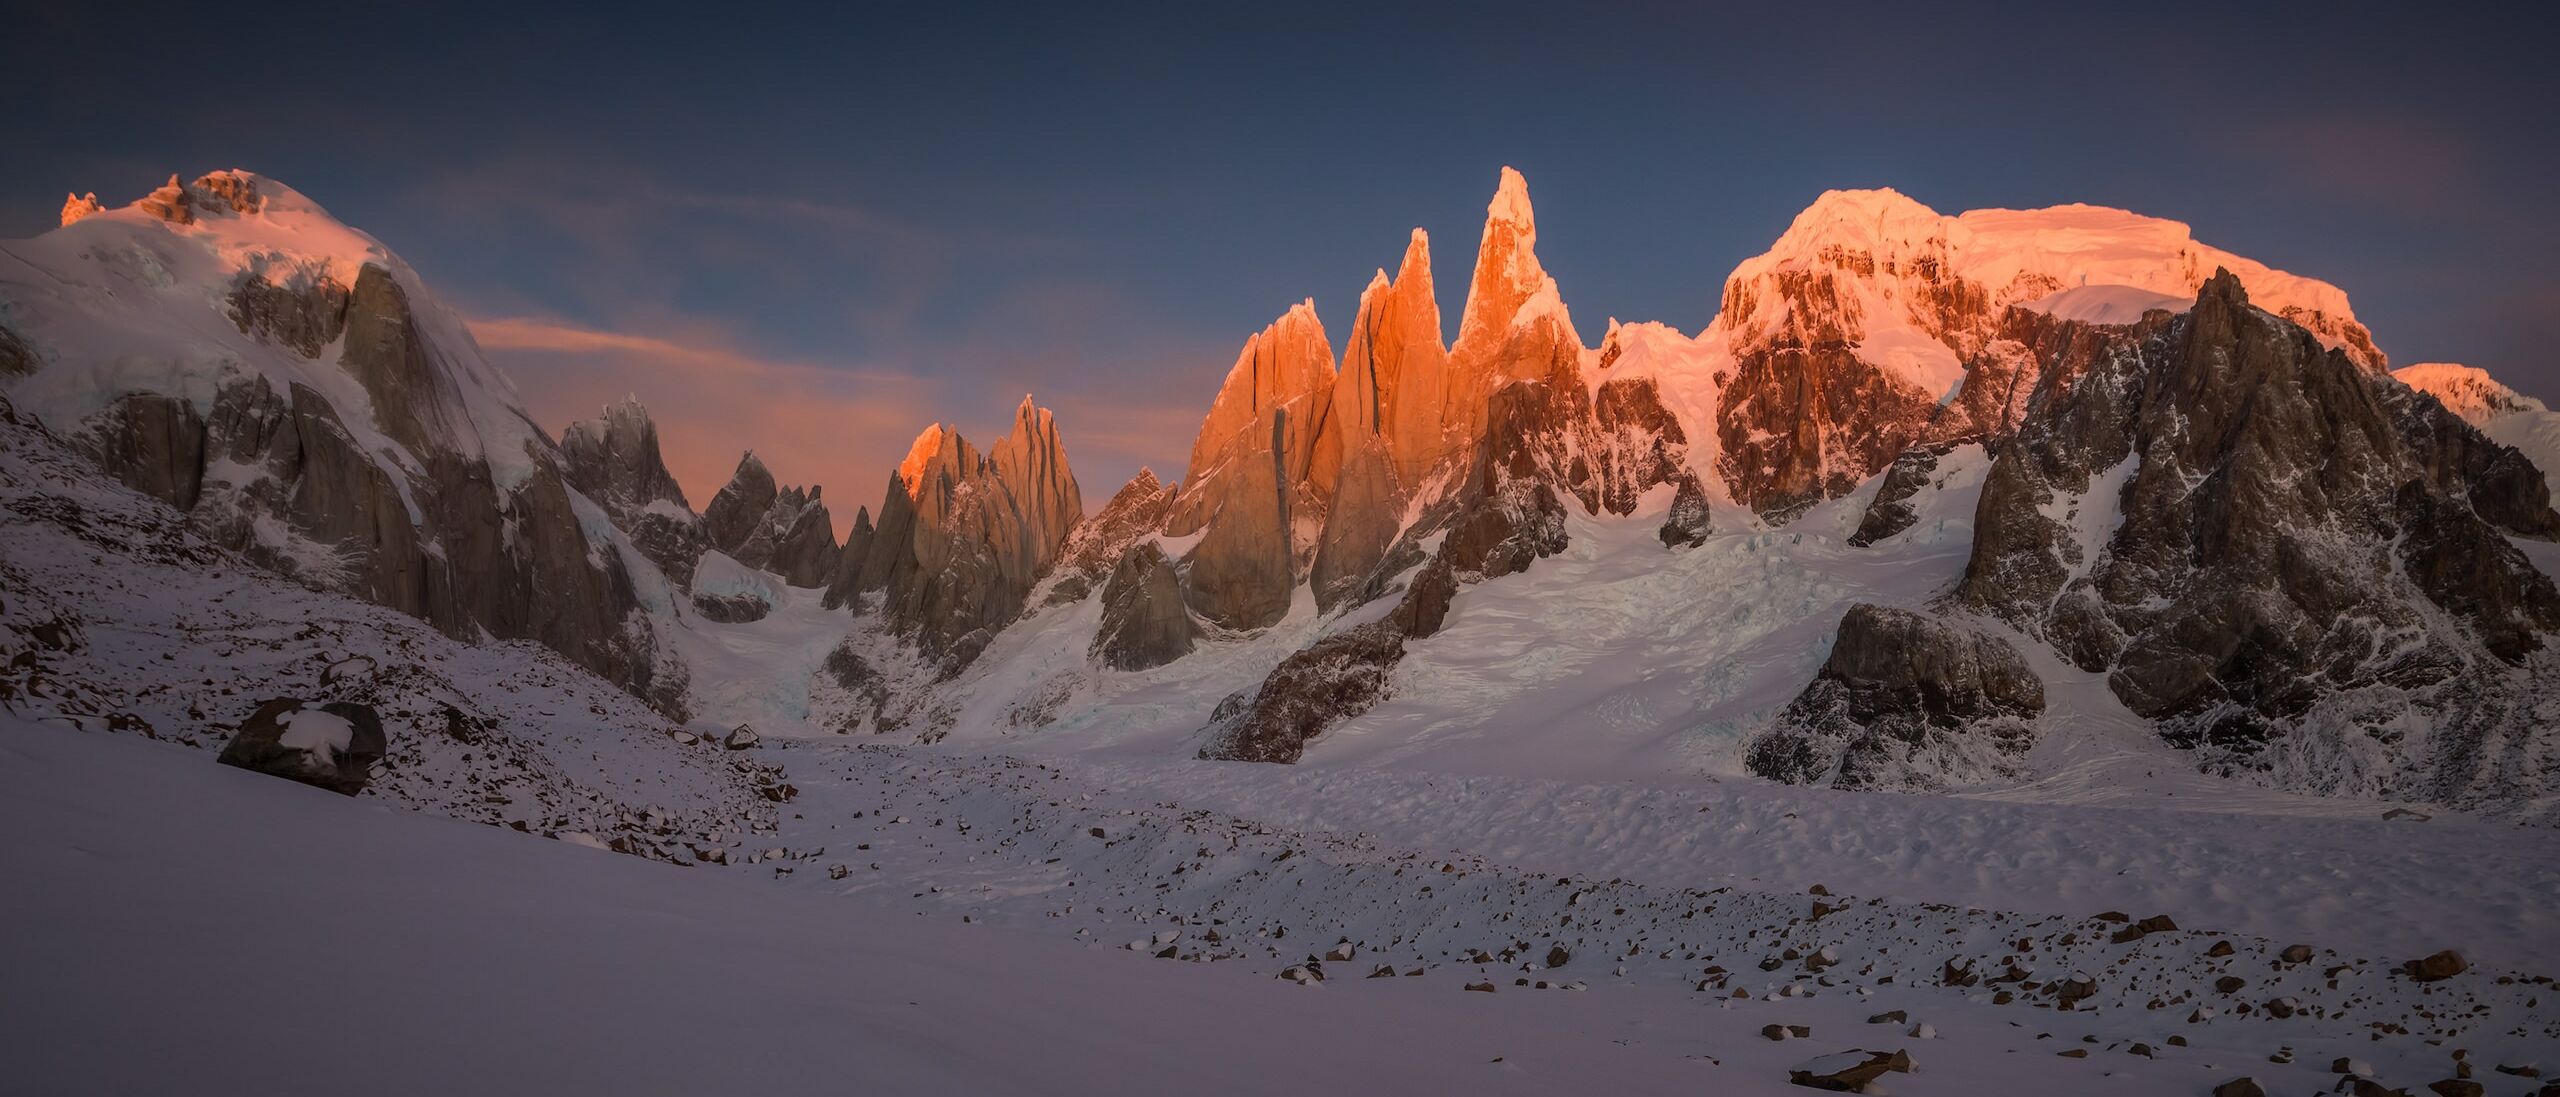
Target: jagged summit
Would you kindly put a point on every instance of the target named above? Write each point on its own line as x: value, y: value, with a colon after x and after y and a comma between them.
x: 1510, y: 288
x: 1276, y: 398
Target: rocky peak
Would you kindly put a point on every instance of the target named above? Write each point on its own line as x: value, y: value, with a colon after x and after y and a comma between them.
x: 2297, y: 553
x: 739, y: 509
x: 1394, y: 380
x: 1285, y: 371
x: 1510, y: 286
x: 614, y: 460
x: 962, y: 539
x: 784, y: 530
x: 77, y: 206
x: 1032, y: 463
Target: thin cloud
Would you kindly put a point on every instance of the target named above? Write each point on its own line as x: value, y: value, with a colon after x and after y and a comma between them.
x: 809, y: 423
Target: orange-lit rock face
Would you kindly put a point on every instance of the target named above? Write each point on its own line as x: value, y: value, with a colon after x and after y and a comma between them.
x: 1875, y: 323
x: 1394, y: 380
x: 77, y: 206
x: 963, y: 537
x: 1515, y: 326
x: 1287, y: 367
x: 1032, y: 463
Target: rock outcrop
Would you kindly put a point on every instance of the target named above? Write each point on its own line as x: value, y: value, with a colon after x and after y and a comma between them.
x: 1144, y: 623
x: 1272, y: 411
x: 1134, y: 513
x: 1905, y: 701
x: 1332, y: 680
x: 784, y: 530
x: 1244, y: 570
x: 962, y: 538
x: 332, y: 746
x: 1891, y: 511
x: 614, y: 461
x: 2277, y: 555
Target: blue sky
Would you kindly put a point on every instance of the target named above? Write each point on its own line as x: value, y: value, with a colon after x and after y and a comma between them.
x: 812, y: 230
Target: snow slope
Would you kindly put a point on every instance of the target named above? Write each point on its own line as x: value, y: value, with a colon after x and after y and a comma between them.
x: 995, y: 930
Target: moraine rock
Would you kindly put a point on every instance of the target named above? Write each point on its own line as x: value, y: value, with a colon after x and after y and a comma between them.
x: 1144, y: 623
x: 614, y: 460
x: 1849, y: 1071
x: 1905, y: 701
x: 332, y: 746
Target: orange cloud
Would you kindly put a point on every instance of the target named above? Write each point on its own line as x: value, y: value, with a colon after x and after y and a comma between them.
x: 843, y: 428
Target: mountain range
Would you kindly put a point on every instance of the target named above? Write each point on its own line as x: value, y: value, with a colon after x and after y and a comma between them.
x: 1935, y: 503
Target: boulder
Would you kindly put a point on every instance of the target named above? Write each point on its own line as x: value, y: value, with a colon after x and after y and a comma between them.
x: 2437, y: 967
x: 1905, y: 700
x: 332, y: 745
x: 1849, y: 1071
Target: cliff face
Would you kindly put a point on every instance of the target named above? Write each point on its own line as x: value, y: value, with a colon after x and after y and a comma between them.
x: 2288, y: 562
x: 228, y: 347
x: 614, y: 460
x: 962, y: 538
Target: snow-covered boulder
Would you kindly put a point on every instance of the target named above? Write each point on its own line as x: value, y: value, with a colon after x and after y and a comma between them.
x: 332, y: 746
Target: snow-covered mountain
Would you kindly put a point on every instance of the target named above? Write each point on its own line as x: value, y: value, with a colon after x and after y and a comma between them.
x: 1409, y: 544
x: 1586, y: 662
x: 229, y: 348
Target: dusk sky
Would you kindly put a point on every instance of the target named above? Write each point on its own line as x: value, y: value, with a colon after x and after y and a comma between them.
x: 811, y: 232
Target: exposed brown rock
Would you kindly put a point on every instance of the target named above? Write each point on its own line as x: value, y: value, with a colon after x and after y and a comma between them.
x: 1242, y: 573
x: 1144, y: 622
x: 614, y: 460
x: 1905, y: 700
x: 332, y: 746
x: 1367, y: 509
x: 956, y: 551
